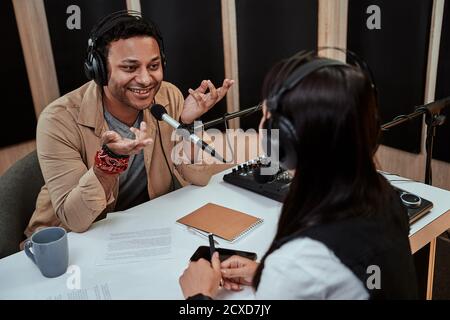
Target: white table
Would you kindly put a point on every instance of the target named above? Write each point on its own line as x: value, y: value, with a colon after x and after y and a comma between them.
x: 21, y: 279
x: 425, y: 230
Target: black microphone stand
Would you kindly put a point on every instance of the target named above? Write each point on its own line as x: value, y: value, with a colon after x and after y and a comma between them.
x: 433, y: 118
x: 229, y: 116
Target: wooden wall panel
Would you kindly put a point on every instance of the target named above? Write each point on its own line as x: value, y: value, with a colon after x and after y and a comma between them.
x: 134, y: 5
x: 35, y: 39
x: 442, y: 142
x: 9, y: 155
x: 332, y: 27
x: 230, y: 51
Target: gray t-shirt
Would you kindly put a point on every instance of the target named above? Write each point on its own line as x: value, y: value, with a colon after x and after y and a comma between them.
x: 133, y: 181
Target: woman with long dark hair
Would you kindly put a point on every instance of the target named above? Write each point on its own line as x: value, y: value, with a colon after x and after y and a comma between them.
x: 342, y: 233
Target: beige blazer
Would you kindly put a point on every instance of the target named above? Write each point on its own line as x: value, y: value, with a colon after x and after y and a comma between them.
x: 68, y: 136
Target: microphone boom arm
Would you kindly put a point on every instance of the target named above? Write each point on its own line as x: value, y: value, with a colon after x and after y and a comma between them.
x: 229, y: 116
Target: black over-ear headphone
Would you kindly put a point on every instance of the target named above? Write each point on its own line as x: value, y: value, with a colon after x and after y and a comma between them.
x: 95, y: 64
x: 287, y: 139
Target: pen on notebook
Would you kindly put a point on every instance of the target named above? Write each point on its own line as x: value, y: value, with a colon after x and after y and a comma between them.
x: 212, y: 248
x: 201, y: 234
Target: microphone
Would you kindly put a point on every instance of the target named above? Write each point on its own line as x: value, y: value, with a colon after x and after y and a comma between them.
x: 160, y: 113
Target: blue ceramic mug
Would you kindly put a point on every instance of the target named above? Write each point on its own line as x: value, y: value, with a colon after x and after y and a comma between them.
x: 49, y: 250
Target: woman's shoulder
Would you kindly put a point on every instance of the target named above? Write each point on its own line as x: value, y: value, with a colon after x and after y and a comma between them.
x: 306, y: 253
x: 304, y: 268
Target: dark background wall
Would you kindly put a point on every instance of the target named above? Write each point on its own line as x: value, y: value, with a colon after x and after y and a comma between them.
x: 69, y: 46
x: 18, y: 120
x: 442, y: 140
x: 268, y: 31
x: 397, y: 54
x: 192, y: 33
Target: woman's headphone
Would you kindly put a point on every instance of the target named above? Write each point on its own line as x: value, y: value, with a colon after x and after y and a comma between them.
x: 287, y: 139
x: 95, y: 64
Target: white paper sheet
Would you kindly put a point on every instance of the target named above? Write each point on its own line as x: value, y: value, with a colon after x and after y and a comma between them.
x: 122, y: 243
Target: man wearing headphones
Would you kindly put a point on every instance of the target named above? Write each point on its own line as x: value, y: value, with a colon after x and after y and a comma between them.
x: 99, y: 148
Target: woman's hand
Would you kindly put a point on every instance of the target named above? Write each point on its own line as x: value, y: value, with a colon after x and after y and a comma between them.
x: 198, y: 101
x: 237, y: 271
x: 201, y: 277
x: 124, y: 146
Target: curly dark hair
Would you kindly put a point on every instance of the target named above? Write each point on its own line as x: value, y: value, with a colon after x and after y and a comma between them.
x: 125, y: 28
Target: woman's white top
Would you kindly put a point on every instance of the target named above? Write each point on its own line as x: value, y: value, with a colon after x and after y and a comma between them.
x: 306, y: 269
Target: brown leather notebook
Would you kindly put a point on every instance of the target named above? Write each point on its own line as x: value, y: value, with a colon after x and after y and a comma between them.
x: 223, y: 222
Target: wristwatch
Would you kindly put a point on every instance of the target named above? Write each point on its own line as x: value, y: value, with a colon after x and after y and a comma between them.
x: 199, y: 296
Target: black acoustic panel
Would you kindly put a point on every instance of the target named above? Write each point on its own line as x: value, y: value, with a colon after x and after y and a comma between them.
x: 442, y: 141
x: 18, y: 121
x: 69, y: 46
x: 268, y: 31
x: 192, y: 33
x: 397, y: 55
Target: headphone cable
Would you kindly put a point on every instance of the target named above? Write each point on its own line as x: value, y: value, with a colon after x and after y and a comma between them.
x: 165, y: 158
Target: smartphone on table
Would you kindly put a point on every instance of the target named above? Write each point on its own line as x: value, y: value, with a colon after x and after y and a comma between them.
x: 224, y: 254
